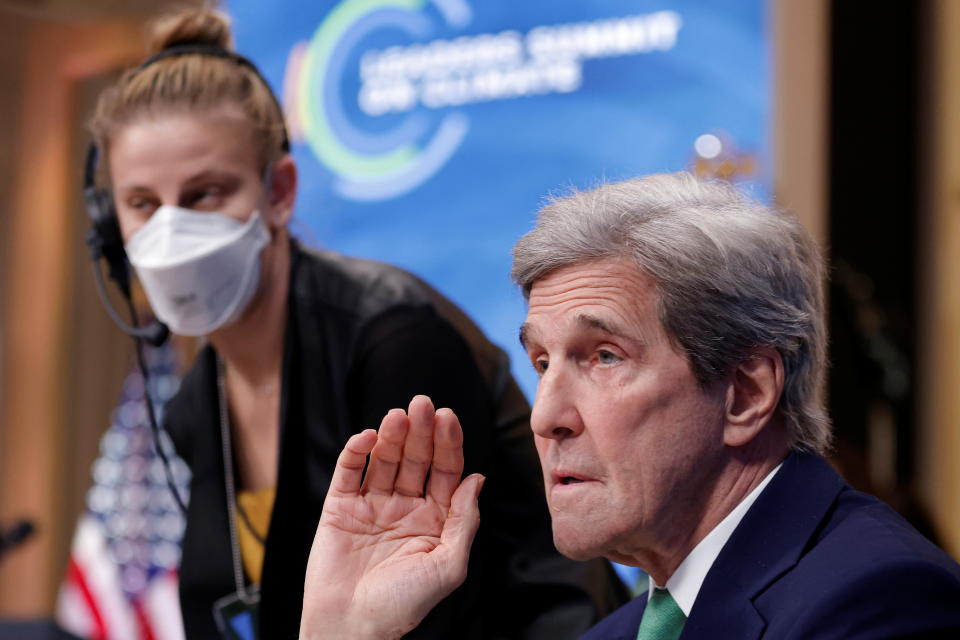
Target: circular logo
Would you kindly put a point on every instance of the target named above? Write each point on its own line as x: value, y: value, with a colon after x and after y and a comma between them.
x: 373, y: 165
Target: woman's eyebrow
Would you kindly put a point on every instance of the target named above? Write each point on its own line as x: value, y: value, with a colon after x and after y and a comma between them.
x: 212, y: 174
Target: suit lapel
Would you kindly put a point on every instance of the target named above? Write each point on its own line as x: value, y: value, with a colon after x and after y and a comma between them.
x: 733, y: 617
x: 767, y: 543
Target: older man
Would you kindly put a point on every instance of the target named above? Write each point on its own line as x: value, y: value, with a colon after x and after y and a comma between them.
x: 677, y: 329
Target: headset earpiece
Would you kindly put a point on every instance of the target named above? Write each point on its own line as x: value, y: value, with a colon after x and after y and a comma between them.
x: 104, y: 238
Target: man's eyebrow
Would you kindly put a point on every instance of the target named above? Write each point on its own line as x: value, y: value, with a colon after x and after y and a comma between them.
x: 527, y: 332
x: 589, y: 321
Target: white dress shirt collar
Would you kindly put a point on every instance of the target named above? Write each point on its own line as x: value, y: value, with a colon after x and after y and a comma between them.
x: 685, y: 583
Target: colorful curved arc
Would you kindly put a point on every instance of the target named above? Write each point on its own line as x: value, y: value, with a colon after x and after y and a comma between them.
x: 316, y: 128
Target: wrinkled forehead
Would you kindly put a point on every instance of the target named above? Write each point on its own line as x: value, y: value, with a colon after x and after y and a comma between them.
x: 607, y: 296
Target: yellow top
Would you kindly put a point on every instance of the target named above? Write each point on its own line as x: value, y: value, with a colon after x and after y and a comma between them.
x: 258, y: 505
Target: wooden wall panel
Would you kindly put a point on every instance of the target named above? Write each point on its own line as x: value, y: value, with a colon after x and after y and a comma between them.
x: 38, y: 310
x: 801, y: 47
x: 938, y: 453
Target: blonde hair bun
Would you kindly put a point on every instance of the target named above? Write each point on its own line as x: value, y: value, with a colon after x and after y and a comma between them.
x: 193, y: 26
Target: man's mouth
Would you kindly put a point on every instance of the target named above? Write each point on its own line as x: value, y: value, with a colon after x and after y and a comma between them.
x: 565, y: 478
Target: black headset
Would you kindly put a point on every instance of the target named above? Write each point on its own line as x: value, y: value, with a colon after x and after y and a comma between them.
x: 104, y: 239
x: 105, y: 242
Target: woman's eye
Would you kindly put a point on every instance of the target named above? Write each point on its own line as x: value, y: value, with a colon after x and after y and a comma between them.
x: 205, y: 197
x: 141, y: 205
x: 607, y: 357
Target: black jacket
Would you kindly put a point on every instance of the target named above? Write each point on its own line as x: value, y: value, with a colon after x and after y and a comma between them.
x: 364, y: 337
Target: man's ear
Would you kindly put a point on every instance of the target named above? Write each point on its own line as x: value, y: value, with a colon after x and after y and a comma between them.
x: 283, y: 191
x: 752, y: 396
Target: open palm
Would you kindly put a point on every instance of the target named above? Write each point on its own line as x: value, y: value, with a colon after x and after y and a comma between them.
x: 387, y: 550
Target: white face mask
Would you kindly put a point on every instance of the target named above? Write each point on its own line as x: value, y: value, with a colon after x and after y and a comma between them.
x: 199, y: 270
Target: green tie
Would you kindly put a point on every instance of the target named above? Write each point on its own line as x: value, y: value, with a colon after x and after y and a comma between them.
x: 662, y: 619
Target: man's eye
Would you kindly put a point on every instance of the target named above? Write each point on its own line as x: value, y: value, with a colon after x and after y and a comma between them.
x: 607, y: 357
x: 541, y: 365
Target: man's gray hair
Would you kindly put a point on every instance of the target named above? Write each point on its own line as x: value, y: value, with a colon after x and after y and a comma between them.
x: 732, y: 275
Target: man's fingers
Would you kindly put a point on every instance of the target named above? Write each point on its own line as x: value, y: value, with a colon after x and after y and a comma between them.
x: 349, y: 469
x: 412, y: 445
x: 447, y: 458
x: 418, y: 448
x: 385, y: 458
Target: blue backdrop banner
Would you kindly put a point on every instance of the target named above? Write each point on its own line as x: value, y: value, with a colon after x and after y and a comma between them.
x: 428, y: 132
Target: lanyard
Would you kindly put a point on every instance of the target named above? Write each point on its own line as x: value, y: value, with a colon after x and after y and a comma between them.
x: 228, y: 481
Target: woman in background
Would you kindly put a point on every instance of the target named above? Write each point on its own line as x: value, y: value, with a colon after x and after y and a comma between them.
x: 304, y: 349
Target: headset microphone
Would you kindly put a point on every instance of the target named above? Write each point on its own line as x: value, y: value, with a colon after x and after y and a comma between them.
x: 104, y: 241
x: 154, y: 334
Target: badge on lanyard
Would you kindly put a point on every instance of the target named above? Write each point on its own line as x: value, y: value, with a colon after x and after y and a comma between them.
x: 238, y: 615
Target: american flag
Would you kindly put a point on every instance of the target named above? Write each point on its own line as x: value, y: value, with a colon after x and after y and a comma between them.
x: 121, y: 579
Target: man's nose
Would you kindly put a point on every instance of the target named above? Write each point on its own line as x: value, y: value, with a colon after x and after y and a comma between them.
x: 555, y: 414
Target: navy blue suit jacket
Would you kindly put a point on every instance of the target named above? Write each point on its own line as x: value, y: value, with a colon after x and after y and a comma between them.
x: 814, y: 558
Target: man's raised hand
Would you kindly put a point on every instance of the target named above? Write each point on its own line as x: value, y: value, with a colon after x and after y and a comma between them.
x: 394, y: 542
